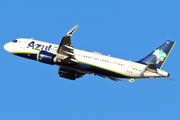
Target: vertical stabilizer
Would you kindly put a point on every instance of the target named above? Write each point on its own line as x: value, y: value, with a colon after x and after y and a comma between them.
x: 159, y: 55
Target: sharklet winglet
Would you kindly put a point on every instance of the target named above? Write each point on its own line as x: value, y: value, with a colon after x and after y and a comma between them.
x: 72, y: 30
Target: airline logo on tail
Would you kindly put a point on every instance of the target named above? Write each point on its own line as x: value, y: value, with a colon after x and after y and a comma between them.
x: 160, y: 55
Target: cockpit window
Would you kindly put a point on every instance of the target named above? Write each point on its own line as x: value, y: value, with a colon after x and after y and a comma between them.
x: 15, y: 41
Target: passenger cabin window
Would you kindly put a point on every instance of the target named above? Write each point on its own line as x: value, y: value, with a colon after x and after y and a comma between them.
x: 15, y: 41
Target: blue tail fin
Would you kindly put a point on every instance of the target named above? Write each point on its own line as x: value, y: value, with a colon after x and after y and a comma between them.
x: 159, y: 55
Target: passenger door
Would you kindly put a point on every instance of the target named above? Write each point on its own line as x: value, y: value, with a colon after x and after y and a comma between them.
x: 130, y: 67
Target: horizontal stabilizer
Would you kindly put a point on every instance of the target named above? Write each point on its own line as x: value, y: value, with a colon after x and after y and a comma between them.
x: 131, y: 80
x: 151, y: 68
x: 114, y: 79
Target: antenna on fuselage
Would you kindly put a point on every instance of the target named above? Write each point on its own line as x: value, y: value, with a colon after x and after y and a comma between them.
x: 32, y: 38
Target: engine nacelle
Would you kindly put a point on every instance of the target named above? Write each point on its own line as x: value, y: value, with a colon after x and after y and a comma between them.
x: 68, y: 73
x: 46, y: 57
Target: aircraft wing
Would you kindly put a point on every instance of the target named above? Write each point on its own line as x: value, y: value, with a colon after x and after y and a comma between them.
x: 65, y: 52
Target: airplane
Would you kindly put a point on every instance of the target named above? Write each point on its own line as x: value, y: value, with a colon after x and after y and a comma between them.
x: 74, y: 63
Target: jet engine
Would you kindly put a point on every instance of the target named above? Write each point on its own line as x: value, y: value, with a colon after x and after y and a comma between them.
x: 68, y: 73
x: 46, y: 57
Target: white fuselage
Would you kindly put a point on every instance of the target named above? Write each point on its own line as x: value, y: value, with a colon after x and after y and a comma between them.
x: 91, y: 62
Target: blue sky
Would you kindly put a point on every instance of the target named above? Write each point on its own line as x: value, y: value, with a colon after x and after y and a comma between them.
x: 125, y: 29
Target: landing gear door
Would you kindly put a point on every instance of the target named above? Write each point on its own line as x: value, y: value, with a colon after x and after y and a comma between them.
x: 130, y: 67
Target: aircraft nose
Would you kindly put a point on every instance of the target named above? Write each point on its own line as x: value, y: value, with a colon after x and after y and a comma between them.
x: 7, y: 47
